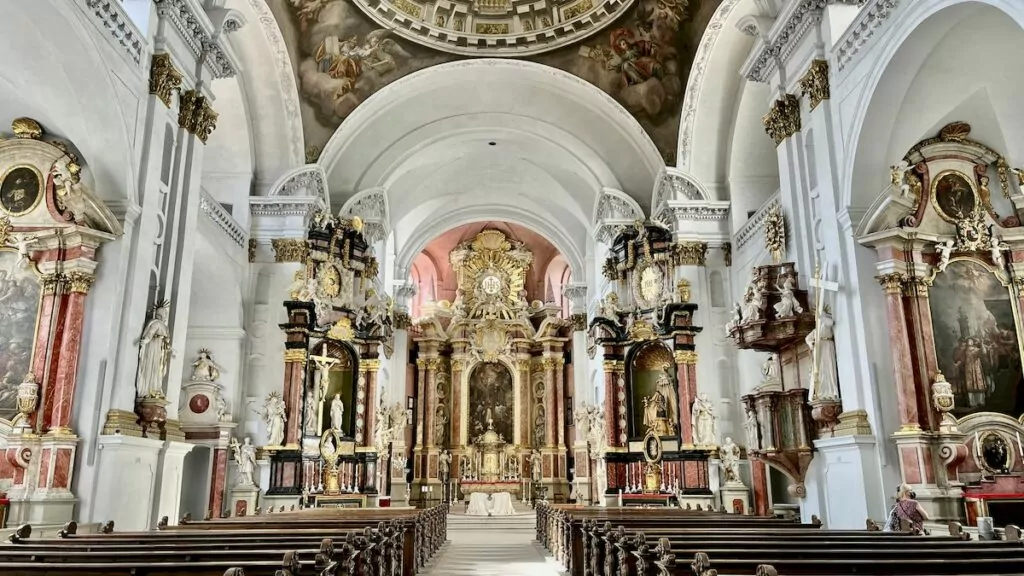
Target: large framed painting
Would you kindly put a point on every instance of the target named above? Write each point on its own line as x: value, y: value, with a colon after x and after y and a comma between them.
x: 19, y: 308
x: 976, y: 339
x: 954, y: 196
x: 21, y: 188
x: 491, y: 400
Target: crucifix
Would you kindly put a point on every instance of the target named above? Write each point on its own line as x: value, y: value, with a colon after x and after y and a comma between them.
x: 822, y: 331
x: 324, y: 363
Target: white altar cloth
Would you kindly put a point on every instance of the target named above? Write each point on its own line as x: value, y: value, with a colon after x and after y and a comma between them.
x: 499, y: 504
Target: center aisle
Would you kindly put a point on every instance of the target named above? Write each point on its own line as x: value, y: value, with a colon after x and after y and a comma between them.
x: 499, y: 546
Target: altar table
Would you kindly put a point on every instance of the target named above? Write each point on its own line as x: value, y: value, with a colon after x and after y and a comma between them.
x: 499, y: 504
x: 469, y: 487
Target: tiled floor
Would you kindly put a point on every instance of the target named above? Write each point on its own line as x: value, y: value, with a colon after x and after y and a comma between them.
x: 493, y: 547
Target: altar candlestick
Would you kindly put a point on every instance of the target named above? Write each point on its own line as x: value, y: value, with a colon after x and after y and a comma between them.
x: 977, y: 443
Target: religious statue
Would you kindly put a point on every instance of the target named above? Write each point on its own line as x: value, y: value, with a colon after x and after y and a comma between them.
x: 770, y: 374
x: 67, y: 180
x: 609, y: 308
x: 337, y: 412
x: 536, y: 466
x: 753, y: 303
x: 824, y: 373
x: 899, y: 176
x: 245, y: 459
x: 654, y: 410
x: 945, y: 249
x: 154, y: 354
x: 444, y: 465
x: 441, y: 426
x: 703, y: 421
x: 787, y: 306
x: 750, y: 426
x: 997, y: 248
x: 21, y: 244
x: 666, y: 386
x: 602, y: 479
x: 730, y: 455
x: 273, y: 415
x: 311, y: 413
x: 204, y: 369
x: 737, y: 318
x: 222, y: 408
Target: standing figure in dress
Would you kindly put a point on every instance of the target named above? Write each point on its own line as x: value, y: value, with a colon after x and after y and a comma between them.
x: 245, y: 459
x: 154, y: 354
x: 730, y: 455
x: 337, y: 412
x: 703, y: 418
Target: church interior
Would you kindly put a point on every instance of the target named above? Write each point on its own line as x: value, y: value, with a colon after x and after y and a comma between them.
x: 442, y: 287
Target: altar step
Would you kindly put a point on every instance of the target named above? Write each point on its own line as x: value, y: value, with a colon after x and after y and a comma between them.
x: 492, y: 546
x: 521, y: 522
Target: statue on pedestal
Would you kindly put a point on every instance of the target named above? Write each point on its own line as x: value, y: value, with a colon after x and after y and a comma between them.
x: 750, y: 425
x: 337, y: 412
x: 444, y: 465
x: 824, y: 372
x: 730, y: 455
x: 204, y: 369
x: 703, y: 418
x: 536, y: 466
x: 245, y: 459
x: 273, y: 415
x: 787, y: 306
x: 154, y: 354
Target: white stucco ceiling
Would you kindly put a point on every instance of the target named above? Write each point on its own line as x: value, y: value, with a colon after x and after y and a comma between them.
x: 491, y: 139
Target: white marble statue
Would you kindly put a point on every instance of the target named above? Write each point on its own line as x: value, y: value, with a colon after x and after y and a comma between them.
x: 444, y: 465
x: 154, y: 354
x: 204, y: 369
x: 273, y: 415
x: 222, y: 407
x: 824, y: 372
x: 70, y: 193
x: 752, y: 309
x: 610, y: 309
x: 997, y: 248
x: 666, y: 386
x: 311, y: 408
x: 737, y: 318
x: 945, y: 250
x: 337, y: 412
x: 440, y: 426
x: 703, y: 421
x: 787, y: 306
x: 601, y: 480
x: 21, y: 243
x: 245, y: 459
x: 750, y: 426
x: 770, y: 374
x: 730, y: 455
x: 899, y: 177
x: 536, y: 466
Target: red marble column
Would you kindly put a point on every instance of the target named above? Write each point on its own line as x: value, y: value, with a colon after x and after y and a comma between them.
x: 686, y: 376
x: 49, y: 332
x: 458, y: 366
x: 900, y: 345
x: 218, y: 481
x: 560, y: 397
x: 759, y: 477
x: 551, y: 401
x: 63, y: 385
x: 922, y: 341
x: 421, y: 402
x: 294, y: 376
x: 430, y: 410
x: 369, y: 368
x: 613, y: 373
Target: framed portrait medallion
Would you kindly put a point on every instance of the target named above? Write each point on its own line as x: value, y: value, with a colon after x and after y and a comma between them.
x: 954, y: 196
x: 21, y: 188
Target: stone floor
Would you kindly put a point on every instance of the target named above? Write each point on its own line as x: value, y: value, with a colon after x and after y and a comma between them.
x: 492, y: 547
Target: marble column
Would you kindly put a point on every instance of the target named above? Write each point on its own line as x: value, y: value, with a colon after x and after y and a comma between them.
x: 458, y: 366
x: 368, y: 370
x: 551, y: 401
x: 919, y: 317
x: 523, y: 365
x: 67, y: 371
x: 46, y: 356
x: 294, y: 379
x: 218, y: 482
x: 686, y: 374
x: 759, y: 478
x: 614, y: 408
x: 430, y: 410
x: 560, y: 395
x: 902, y: 361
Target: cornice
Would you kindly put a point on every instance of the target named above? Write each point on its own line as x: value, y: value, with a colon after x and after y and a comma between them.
x: 284, y: 206
x: 752, y: 228
x: 860, y: 31
x: 110, y: 16
x: 674, y: 211
x: 198, y: 32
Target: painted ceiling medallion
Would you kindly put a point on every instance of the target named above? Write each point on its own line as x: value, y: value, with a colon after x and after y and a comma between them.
x: 494, y: 27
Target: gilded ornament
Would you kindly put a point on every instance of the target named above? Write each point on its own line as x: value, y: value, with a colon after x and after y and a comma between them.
x: 164, y: 78
x: 26, y: 128
x: 852, y: 423
x: 492, y: 28
x: 892, y: 283
x: 410, y: 8
x: 297, y: 355
x: 252, y: 250
x: 614, y: 366
x: 775, y: 234
x: 329, y: 280
x: 642, y: 330
x: 53, y: 282
x: 342, y: 330
x: 578, y: 322
x: 195, y: 115
x: 683, y: 290
x: 290, y: 249
x: 491, y: 275
x: 727, y: 253
x: 783, y: 119
x: 402, y: 321
x: 916, y: 286
x: 80, y: 282
x: 814, y: 84
x: 956, y: 132
x: 690, y: 253
x: 5, y: 230
x: 688, y: 357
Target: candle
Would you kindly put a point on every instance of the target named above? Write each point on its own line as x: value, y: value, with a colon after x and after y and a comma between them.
x: 977, y: 443
x: 1020, y: 449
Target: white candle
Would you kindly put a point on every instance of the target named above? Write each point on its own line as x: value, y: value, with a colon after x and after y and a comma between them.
x: 977, y: 443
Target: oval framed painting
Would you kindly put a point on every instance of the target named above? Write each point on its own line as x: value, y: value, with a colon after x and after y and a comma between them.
x: 21, y: 189
x: 954, y: 196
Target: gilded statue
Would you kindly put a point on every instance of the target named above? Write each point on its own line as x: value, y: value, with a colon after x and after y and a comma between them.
x: 154, y: 354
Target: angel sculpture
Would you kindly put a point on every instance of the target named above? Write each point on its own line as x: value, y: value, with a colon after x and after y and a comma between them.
x: 21, y: 243
x: 67, y: 176
x: 997, y: 247
x: 610, y: 309
x: 737, y: 318
x: 945, y: 250
x: 899, y: 176
x: 204, y: 369
x: 787, y: 306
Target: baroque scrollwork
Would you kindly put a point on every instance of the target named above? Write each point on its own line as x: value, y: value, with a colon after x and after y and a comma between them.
x: 164, y: 78
x: 290, y: 249
x: 196, y: 115
x: 814, y: 84
x: 775, y: 234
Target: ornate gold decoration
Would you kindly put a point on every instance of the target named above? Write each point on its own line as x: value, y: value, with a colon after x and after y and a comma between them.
x: 53, y: 282
x: 578, y: 321
x: 26, y: 128
x: 329, y: 279
x: 653, y: 357
x: 577, y: 9
x: 252, y: 249
x: 410, y: 8
x: 5, y: 230
x: 775, y: 234
x: 122, y: 422
x: 490, y: 341
x: 614, y: 366
x: 783, y: 120
x: 916, y: 286
x: 164, y: 78
x: 81, y: 281
x: 402, y: 321
x: 458, y: 365
x: 173, y: 431
x: 955, y: 132
x: 290, y: 249
x: 852, y: 423
x: 492, y: 28
x: 814, y: 83
x: 648, y: 284
x: 342, y: 330
x: 642, y: 330
x: 295, y: 355
x: 690, y: 253
x: 685, y: 357
x: 683, y: 290
x: 892, y: 283
x: 196, y: 115
x: 369, y: 364
x: 491, y: 274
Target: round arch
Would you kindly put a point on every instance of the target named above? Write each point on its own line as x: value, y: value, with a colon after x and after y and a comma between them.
x: 903, y: 48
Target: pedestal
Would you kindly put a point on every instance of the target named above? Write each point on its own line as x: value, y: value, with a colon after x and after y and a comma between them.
x: 127, y: 481
x: 736, y: 498
x: 243, y: 500
x: 170, y: 478
x: 850, y: 483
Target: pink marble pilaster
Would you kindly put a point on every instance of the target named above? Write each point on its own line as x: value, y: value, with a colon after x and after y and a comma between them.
x: 921, y: 337
x: 550, y: 400
x: 294, y: 375
x: 63, y: 387
x: 900, y: 346
x: 430, y: 384
x: 560, y: 397
x: 218, y: 480
x: 370, y: 407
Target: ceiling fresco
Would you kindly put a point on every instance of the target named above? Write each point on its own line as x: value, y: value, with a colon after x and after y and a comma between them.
x: 637, y: 51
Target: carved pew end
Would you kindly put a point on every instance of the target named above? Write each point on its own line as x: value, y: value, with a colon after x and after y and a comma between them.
x: 20, y: 534
x: 1012, y: 532
x: 234, y: 572
x: 766, y: 570
x: 107, y: 528
x: 956, y: 530
x: 69, y: 529
x: 162, y: 523
x: 289, y: 565
x: 815, y: 520
x: 873, y: 526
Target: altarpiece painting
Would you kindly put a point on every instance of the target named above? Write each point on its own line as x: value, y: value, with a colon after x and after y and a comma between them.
x: 976, y: 339
x: 19, y: 305
x: 491, y: 398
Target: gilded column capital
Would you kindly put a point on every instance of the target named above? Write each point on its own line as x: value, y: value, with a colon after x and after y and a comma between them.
x: 783, y: 119
x: 578, y: 322
x: 369, y: 365
x: 164, y: 78
x: 892, y: 283
x: 689, y: 253
x: 916, y: 286
x: 685, y: 357
x: 290, y: 249
x: 814, y: 84
x: 523, y: 364
x: 614, y: 366
x: 551, y: 363
x: 402, y: 321
x: 295, y: 355
x: 80, y: 281
x: 196, y: 115
x: 458, y: 365
x: 53, y: 282
x: 432, y: 363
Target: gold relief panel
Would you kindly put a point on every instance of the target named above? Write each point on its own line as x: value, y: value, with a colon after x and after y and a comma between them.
x: 689, y: 253
x: 297, y: 355
x: 290, y: 249
x: 369, y: 365
x: 814, y: 84
x: 783, y: 120
x: 164, y: 78
x: 775, y: 234
x: 614, y: 366
x: 578, y: 322
x: 196, y: 115
x: 491, y: 28
x: 688, y: 357
x: 26, y: 129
